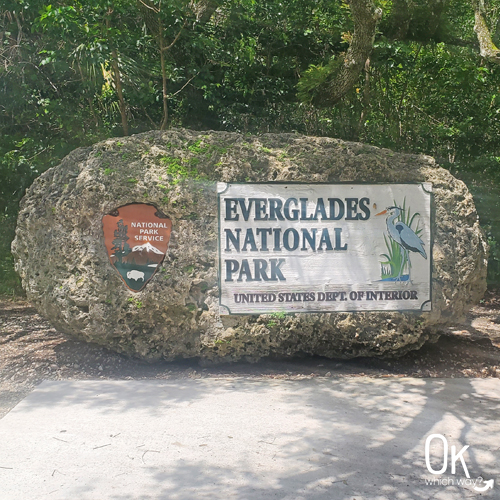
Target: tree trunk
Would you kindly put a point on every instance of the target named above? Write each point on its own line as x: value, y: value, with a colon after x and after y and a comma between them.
x: 203, y: 9
x: 164, y: 82
x: 118, y: 84
x: 487, y: 48
x: 366, y: 98
x: 365, y: 16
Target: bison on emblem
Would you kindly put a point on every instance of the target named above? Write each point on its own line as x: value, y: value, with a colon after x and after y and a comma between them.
x: 135, y: 275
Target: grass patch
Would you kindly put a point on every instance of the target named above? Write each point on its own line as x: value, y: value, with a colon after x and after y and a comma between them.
x: 198, y: 148
x: 179, y: 170
x: 137, y: 303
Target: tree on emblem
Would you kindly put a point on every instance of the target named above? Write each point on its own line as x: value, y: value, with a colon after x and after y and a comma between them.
x: 120, y: 246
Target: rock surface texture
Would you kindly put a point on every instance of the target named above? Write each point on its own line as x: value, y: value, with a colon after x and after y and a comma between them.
x: 67, y: 274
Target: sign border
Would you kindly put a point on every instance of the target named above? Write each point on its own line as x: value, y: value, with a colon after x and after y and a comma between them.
x: 343, y: 183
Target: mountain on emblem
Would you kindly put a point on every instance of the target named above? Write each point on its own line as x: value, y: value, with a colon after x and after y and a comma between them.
x: 147, y: 247
x: 136, y: 237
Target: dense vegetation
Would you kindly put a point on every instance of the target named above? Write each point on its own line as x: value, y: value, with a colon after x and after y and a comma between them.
x: 74, y: 72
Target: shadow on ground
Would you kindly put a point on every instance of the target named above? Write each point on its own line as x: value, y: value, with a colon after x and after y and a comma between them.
x: 345, y: 438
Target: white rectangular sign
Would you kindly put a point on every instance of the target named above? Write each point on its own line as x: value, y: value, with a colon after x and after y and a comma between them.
x: 324, y: 247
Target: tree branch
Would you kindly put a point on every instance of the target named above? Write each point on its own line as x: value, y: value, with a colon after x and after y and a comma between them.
x: 488, y: 49
x: 118, y: 81
x: 176, y: 37
x: 203, y: 9
x: 366, y: 17
x: 184, y: 86
x: 149, y: 6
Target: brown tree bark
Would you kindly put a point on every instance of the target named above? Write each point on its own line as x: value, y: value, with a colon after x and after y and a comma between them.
x: 365, y: 16
x: 487, y: 48
x: 118, y: 83
x: 366, y: 98
x: 151, y: 16
x: 203, y: 9
x: 119, y: 91
x: 164, y: 120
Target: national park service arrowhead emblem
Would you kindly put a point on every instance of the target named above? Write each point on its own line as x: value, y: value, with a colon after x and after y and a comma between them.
x: 136, y: 238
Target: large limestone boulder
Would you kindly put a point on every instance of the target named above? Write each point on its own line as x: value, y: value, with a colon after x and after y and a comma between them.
x: 66, y: 272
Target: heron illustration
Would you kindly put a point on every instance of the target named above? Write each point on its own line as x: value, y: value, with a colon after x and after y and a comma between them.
x: 404, y: 236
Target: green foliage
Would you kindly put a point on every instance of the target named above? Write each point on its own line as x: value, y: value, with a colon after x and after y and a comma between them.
x: 198, y: 148
x: 314, y: 78
x: 277, y: 317
x: 10, y: 284
x: 254, y: 67
x: 483, y: 179
x: 180, y: 169
x: 135, y: 302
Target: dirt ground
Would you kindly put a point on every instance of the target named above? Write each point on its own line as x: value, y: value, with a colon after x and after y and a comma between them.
x: 32, y: 351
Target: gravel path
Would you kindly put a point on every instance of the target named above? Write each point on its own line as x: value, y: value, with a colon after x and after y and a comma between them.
x: 32, y: 351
